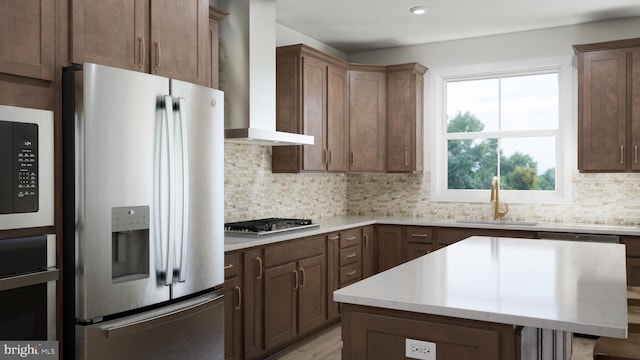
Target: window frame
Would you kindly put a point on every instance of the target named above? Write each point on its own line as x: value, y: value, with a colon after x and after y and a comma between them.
x: 565, y: 146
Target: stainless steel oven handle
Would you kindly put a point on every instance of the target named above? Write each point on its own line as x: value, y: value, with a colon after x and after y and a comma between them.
x: 42, y: 277
x: 142, y: 322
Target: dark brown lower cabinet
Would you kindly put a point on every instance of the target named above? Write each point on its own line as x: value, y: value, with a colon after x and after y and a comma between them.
x: 632, y: 245
x: 295, y: 289
x: 380, y: 334
x: 253, y: 301
x: 390, y: 246
x: 233, y: 306
x: 368, y: 251
x: 448, y: 236
x: 373, y: 333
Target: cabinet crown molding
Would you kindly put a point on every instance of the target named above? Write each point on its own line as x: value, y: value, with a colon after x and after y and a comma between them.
x: 606, y: 45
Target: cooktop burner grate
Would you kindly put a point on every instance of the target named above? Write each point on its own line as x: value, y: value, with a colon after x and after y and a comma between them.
x: 266, y: 226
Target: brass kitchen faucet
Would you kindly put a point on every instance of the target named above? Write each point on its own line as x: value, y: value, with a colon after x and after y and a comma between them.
x: 495, y: 198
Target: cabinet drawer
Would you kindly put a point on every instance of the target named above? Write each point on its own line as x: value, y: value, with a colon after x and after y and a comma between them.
x: 350, y: 255
x: 632, y: 245
x: 232, y: 265
x: 350, y: 238
x: 350, y: 273
x: 294, y: 250
x: 418, y: 234
x: 415, y: 250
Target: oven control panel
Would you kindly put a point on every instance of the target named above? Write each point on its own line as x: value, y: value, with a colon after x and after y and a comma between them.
x: 18, y: 155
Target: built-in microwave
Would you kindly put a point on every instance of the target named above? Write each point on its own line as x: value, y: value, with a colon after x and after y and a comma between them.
x: 26, y: 168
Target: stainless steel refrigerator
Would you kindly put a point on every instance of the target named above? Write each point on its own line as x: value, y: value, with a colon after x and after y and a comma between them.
x: 143, y: 216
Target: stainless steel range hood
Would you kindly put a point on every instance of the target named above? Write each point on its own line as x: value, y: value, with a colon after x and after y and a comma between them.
x: 248, y: 73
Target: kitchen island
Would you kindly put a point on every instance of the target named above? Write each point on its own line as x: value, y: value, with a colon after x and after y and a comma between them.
x: 488, y: 298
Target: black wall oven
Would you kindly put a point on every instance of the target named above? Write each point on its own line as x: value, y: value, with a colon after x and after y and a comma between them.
x: 28, y: 277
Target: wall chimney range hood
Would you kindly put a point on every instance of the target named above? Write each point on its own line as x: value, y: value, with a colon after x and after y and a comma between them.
x: 248, y: 74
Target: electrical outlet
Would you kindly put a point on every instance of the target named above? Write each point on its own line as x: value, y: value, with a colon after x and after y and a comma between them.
x: 417, y: 349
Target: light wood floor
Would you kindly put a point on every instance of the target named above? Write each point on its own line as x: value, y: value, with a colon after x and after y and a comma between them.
x: 327, y: 345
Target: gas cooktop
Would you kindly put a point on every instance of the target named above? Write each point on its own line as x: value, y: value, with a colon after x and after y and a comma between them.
x: 260, y: 227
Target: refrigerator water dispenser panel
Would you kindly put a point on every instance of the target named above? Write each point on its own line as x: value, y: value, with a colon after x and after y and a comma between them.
x: 129, y: 243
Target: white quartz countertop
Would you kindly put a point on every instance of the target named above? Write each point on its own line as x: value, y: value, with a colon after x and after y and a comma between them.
x: 338, y: 223
x: 569, y: 286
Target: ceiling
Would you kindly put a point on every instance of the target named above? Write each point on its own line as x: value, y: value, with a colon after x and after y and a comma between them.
x: 357, y: 25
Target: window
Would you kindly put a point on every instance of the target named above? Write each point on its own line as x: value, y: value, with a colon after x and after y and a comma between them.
x: 514, y: 124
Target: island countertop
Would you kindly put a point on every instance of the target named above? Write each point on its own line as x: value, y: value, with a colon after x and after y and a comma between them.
x: 569, y: 286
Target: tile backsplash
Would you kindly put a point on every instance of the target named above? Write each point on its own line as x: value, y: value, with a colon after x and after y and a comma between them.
x: 252, y: 191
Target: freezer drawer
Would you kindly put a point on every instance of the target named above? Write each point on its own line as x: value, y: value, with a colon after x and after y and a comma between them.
x: 192, y: 329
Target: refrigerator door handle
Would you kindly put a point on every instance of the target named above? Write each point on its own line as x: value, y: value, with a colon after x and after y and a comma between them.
x: 152, y: 319
x: 163, y: 218
x: 182, y: 193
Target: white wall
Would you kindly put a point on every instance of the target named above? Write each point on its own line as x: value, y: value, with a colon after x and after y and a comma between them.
x: 287, y: 36
x: 525, y: 45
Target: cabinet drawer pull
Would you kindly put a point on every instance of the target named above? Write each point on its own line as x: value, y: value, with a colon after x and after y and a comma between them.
x: 324, y: 156
x: 366, y: 241
x: 303, y: 277
x: 420, y: 235
x: 226, y: 267
x: 141, y: 52
x: 328, y: 157
x: 297, y: 280
x: 259, y: 260
x: 621, y: 154
x: 353, y: 272
x: 406, y: 158
x: 239, y: 292
x: 635, y: 153
x: 334, y: 237
x: 351, y: 256
x: 352, y: 158
x: 351, y: 238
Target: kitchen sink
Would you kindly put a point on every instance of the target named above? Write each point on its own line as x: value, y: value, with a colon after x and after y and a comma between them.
x: 497, y: 222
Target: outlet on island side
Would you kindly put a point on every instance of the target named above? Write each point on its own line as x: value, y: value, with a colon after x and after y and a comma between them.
x: 417, y: 349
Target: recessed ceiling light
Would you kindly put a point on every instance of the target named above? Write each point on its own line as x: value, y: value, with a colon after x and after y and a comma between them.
x: 419, y: 10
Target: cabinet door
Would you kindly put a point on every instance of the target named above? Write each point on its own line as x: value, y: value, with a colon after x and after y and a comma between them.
x: 368, y: 251
x: 390, y: 247
x: 632, y: 247
x: 312, y: 301
x: 404, y: 121
x: 337, y: 121
x: 635, y: 107
x: 603, y: 111
x: 113, y: 33
x: 233, y: 306
x: 213, y: 63
x: 333, y: 275
x: 233, y: 318
x: 179, y: 34
x: 314, y: 116
x: 281, y: 284
x: 367, y: 120
x: 253, y: 274
x: 27, y: 38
